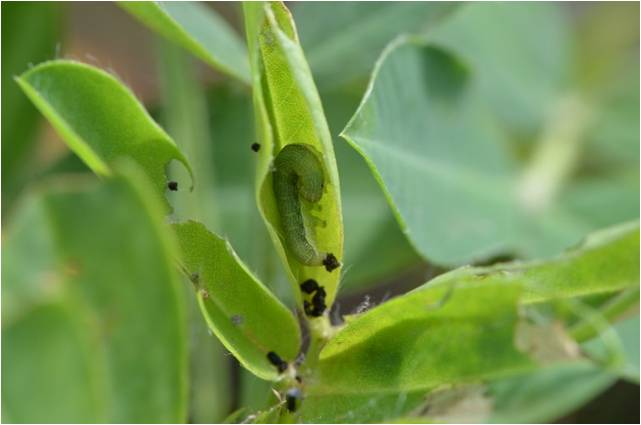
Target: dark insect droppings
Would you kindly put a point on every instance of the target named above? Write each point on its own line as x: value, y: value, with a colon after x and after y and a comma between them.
x: 318, y: 301
x: 292, y: 397
x: 309, y: 286
x: 331, y: 262
x: 275, y: 359
x: 173, y: 186
x: 255, y: 147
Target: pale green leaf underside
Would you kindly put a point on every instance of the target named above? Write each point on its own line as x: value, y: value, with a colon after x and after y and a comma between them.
x: 288, y: 110
x: 426, y: 134
x: 100, y: 119
x: 93, y: 325
x: 197, y: 28
x: 248, y: 319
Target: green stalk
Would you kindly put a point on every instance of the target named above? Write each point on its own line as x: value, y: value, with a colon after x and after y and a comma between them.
x: 556, y: 155
x: 610, y: 310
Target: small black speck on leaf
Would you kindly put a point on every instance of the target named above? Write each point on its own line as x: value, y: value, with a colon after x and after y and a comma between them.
x: 255, y: 147
x: 173, y: 186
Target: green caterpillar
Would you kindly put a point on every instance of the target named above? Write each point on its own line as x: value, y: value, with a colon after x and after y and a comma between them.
x: 299, y: 173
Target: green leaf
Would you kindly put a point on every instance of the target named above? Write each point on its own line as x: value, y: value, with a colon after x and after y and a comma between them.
x: 522, y: 69
x: 288, y: 110
x: 342, y: 40
x: 243, y: 313
x: 99, y: 118
x: 413, y: 342
x: 30, y: 32
x: 607, y: 261
x: 197, y: 28
x: 93, y: 320
x: 455, y: 190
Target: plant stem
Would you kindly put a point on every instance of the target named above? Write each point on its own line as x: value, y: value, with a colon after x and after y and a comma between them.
x: 610, y: 310
x: 555, y: 156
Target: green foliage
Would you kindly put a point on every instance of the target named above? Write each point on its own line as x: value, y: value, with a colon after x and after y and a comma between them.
x: 414, y: 342
x: 457, y: 192
x: 521, y: 69
x: 288, y: 111
x: 342, y: 40
x: 485, y: 137
x: 99, y: 118
x: 245, y: 316
x: 29, y: 36
x: 93, y: 330
x: 197, y: 28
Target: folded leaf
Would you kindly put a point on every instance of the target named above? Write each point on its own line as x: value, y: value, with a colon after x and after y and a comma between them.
x: 197, y: 28
x: 247, y: 318
x: 93, y: 320
x: 100, y: 118
x: 288, y: 111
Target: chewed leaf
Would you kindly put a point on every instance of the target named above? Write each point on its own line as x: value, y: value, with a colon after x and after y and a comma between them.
x: 248, y: 319
x: 198, y: 29
x: 100, y: 118
x: 288, y: 111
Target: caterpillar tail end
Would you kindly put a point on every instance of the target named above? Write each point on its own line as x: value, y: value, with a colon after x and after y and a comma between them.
x: 331, y: 262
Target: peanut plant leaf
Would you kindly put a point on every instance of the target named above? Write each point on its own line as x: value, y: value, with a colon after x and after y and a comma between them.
x: 607, y: 261
x: 288, y: 111
x: 197, y: 28
x: 438, y: 153
x: 100, y: 118
x: 94, y: 328
x: 248, y: 319
x: 343, y: 40
x: 412, y: 343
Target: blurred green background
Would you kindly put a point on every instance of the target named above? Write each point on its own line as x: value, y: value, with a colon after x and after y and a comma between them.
x: 593, y: 49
